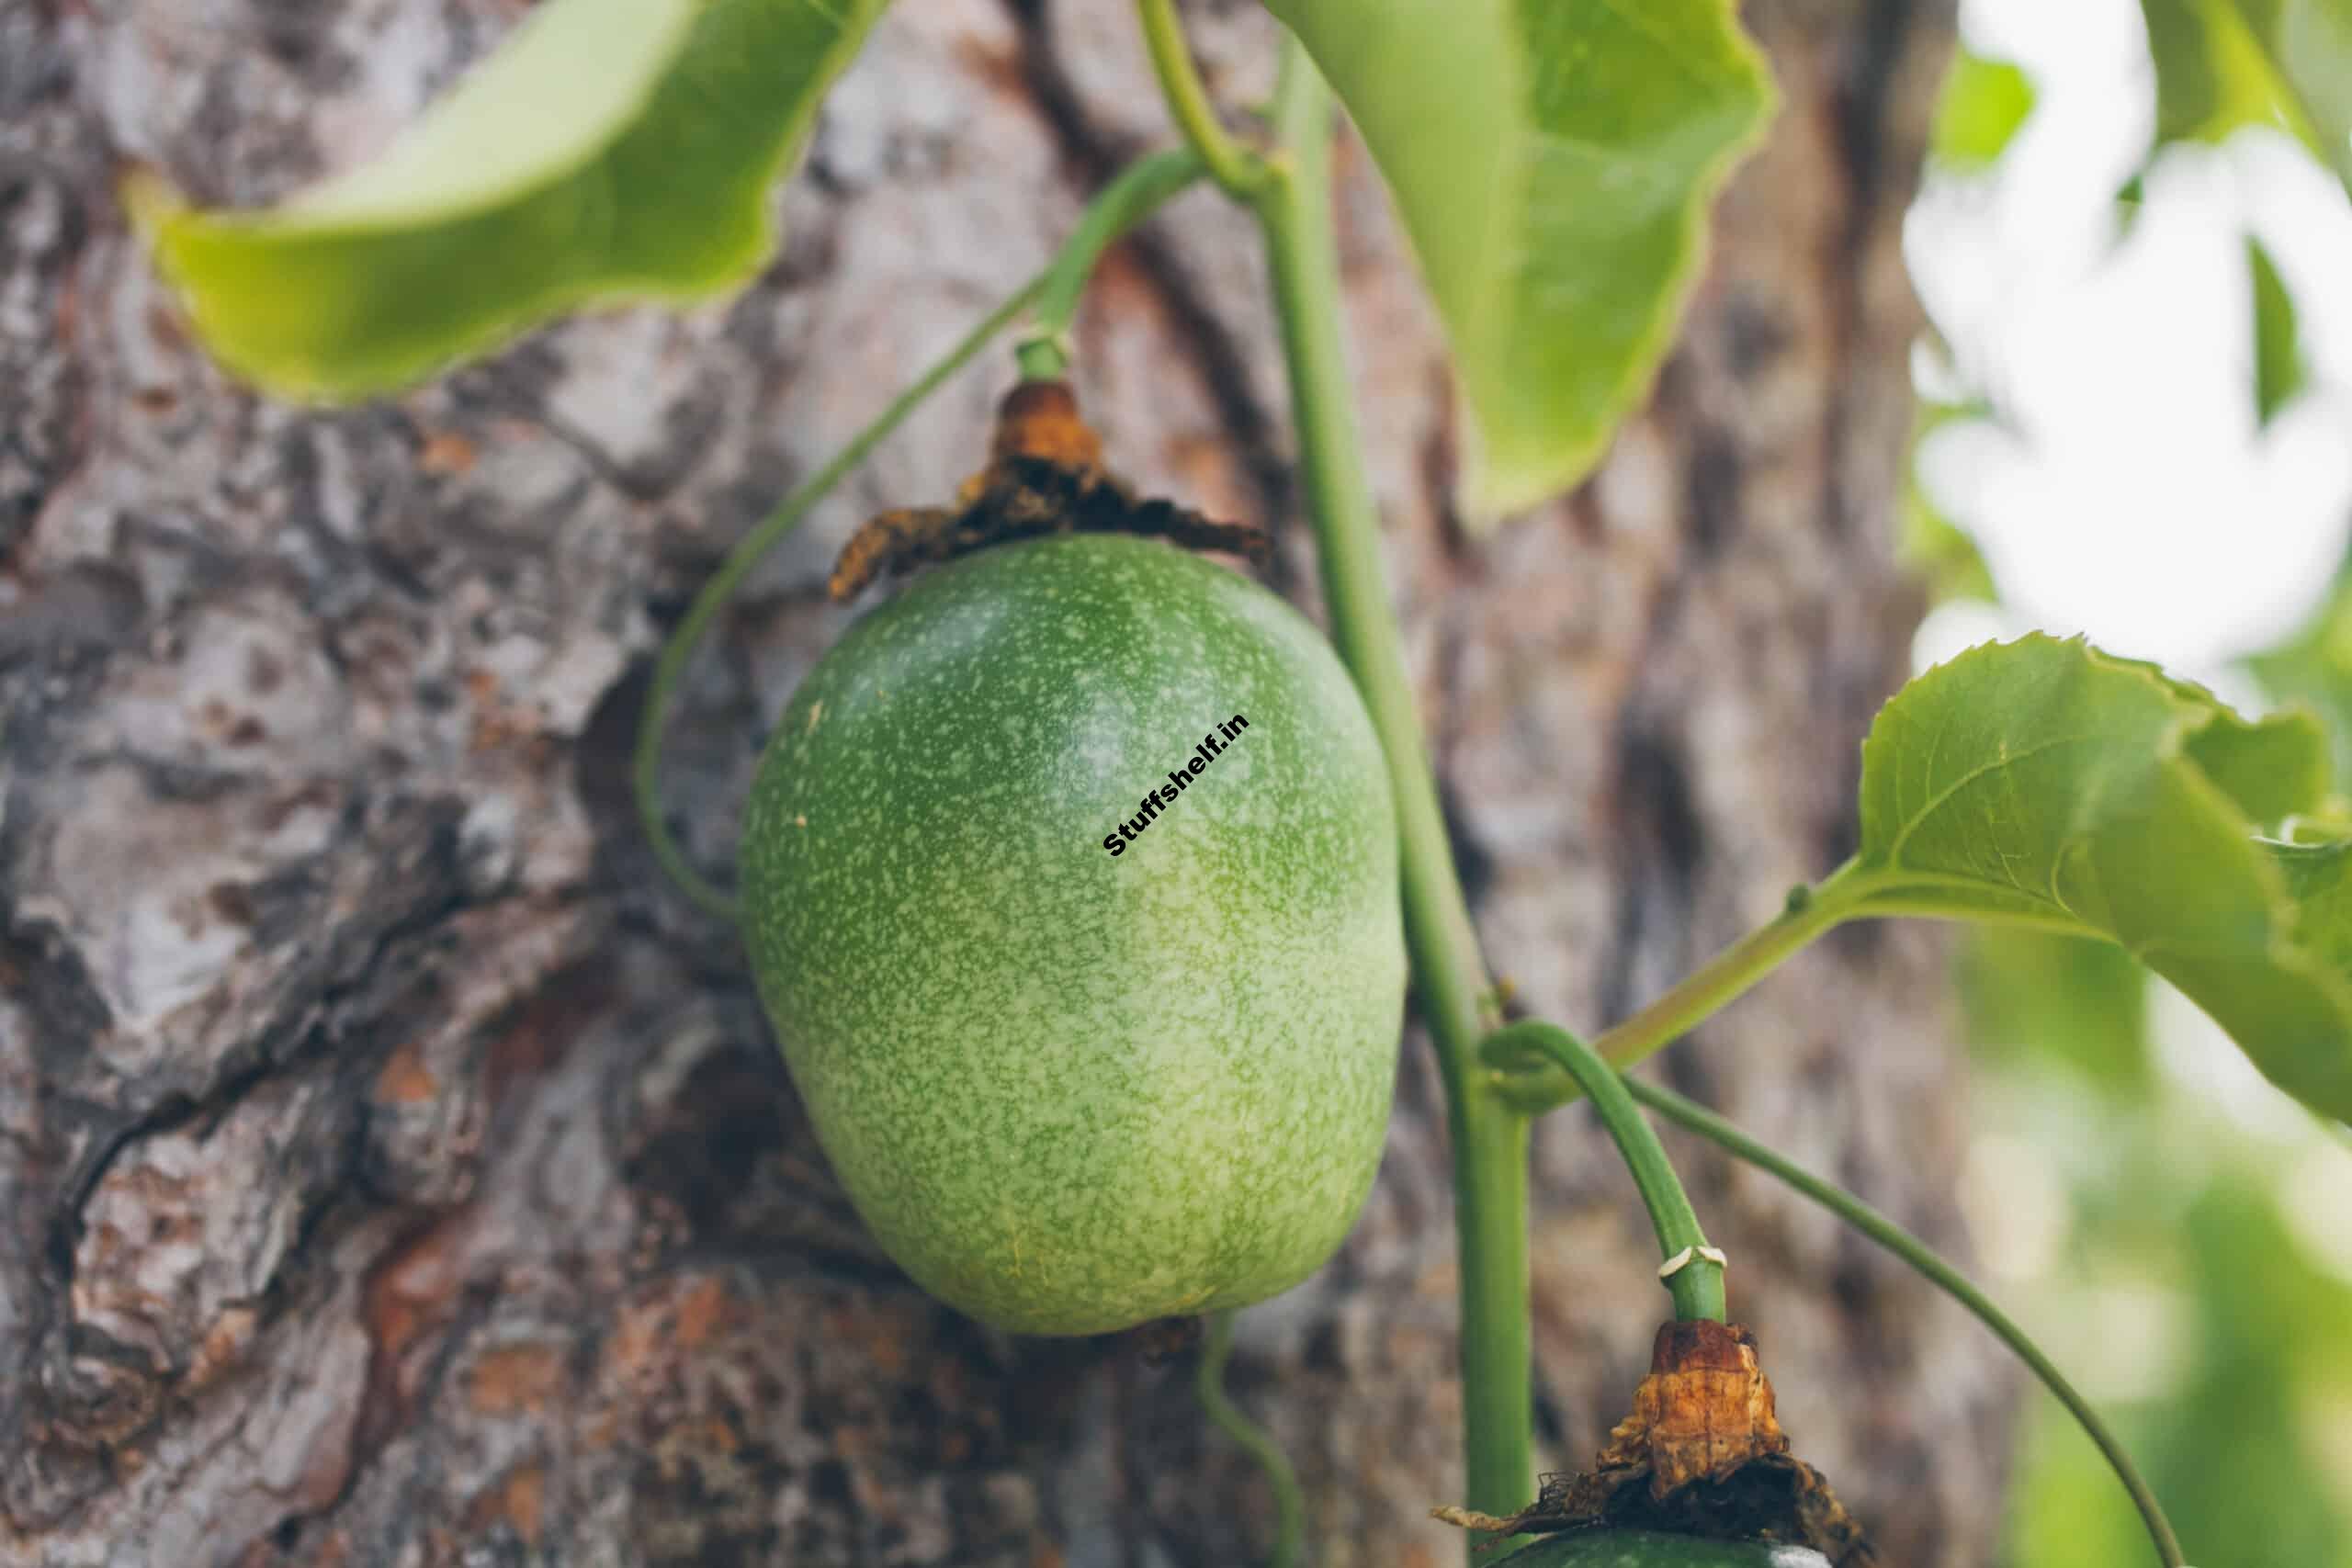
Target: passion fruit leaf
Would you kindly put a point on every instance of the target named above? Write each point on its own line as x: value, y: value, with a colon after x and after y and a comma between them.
x: 1933, y: 546
x: 1553, y: 162
x: 2039, y: 996
x: 2211, y: 77
x: 2314, y: 665
x: 2224, y: 65
x: 607, y: 150
x: 2046, y: 783
x: 1984, y: 103
x: 1071, y: 1090
x: 1939, y: 552
x: 1648, y: 1549
x: 2278, y: 369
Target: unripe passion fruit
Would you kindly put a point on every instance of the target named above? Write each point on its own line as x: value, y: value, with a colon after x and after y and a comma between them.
x: 1070, y: 1091
x: 1646, y: 1549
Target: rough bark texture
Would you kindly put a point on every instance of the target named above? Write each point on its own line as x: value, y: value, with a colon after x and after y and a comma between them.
x: 392, y: 1172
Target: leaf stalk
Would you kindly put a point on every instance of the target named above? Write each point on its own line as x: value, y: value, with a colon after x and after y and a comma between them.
x: 1706, y: 991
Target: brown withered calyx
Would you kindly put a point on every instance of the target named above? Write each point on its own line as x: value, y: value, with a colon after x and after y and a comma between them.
x: 1045, y: 475
x: 1701, y: 1454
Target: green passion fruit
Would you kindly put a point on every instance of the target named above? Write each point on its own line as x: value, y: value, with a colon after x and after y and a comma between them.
x: 1069, y: 882
x: 1648, y: 1549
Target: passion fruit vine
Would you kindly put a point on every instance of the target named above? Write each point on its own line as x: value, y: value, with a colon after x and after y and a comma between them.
x: 1071, y: 1091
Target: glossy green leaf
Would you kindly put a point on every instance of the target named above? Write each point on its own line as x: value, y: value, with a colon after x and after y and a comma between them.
x: 608, y: 150
x: 2315, y: 666
x: 1929, y: 542
x: 2254, y: 1347
x: 2211, y: 77
x: 1553, y: 162
x: 2045, y: 784
x: 1984, y: 103
x: 2265, y: 1335
x: 2125, y: 206
x: 2032, y: 995
x: 1939, y: 550
x: 2278, y: 369
x: 2221, y: 65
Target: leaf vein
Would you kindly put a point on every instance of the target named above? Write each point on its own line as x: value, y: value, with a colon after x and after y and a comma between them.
x: 1935, y: 802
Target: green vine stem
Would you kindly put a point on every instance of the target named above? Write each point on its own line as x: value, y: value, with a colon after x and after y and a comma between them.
x: 1917, y: 1253
x: 1138, y: 189
x: 1237, y: 171
x: 1290, y: 1503
x: 1697, y: 1284
x: 1489, y: 1138
x: 1137, y: 192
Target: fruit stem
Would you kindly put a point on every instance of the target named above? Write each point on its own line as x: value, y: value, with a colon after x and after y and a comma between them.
x: 1489, y: 1138
x: 1131, y: 196
x: 1140, y: 189
x: 1290, y: 1503
x: 1695, y: 1279
x: 1237, y: 171
x: 1917, y: 1253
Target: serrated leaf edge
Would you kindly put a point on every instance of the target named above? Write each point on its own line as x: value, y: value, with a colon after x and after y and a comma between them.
x: 2285, y: 948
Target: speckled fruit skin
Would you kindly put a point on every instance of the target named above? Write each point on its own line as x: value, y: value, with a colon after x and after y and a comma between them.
x: 1068, y: 1092
x: 1645, y: 1549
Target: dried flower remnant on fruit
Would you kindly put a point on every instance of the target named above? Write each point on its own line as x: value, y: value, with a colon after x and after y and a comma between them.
x: 1045, y: 475
x: 1701, y: 1454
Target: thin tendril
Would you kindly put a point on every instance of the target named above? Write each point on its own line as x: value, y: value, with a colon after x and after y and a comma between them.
x: 729, y: 576
x: 1130, y: 197
x: 1290, y: 1503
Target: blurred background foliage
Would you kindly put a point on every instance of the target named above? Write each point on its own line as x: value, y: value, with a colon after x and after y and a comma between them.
x: 2177, y: 1234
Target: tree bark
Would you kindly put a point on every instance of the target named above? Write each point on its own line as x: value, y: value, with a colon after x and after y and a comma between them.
x: 395, y: 1172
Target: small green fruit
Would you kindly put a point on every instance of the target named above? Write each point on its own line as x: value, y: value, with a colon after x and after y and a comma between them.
x: 1071, y: 1091
x: 1648, y: 1549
